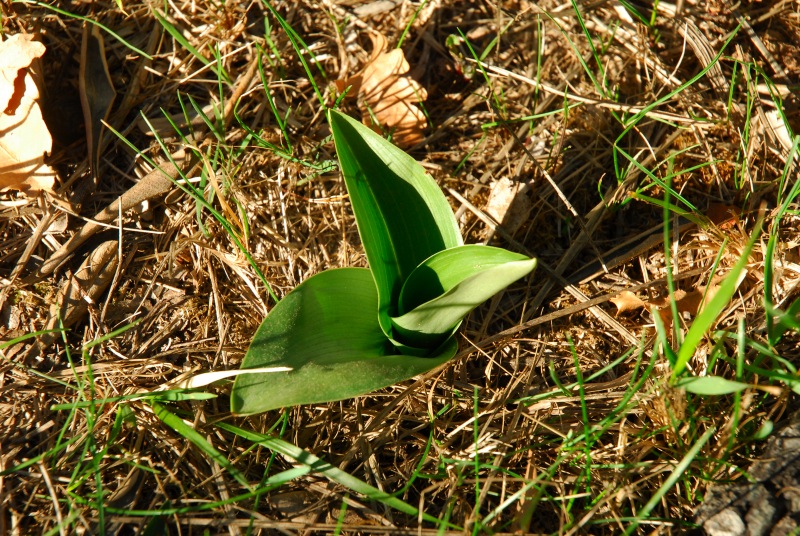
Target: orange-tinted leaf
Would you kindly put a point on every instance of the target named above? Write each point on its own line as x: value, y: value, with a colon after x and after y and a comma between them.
x: 627, y: 301
x: 690, y: 303
x: 686, y: 302
x: 25, y: 139
x: 722, y: 215
x: 386, y: 94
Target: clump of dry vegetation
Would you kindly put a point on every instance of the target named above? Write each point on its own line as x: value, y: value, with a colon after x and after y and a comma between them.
x: 572, y: 132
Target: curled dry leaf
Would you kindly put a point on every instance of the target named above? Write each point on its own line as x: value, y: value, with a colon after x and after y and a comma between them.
x: 386, y: 94
x: 686, y: 302
x: 25, y: 139
x: 627, y: 301
x: 97, y: 92
x: 722, y: 215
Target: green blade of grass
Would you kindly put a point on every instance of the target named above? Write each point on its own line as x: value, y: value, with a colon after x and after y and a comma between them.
x: 705, y: 319
x: 89, y: 21
x: 187, y: 187
x: 774, y: 330
x: 331, y: 472
x: 634, y: 120
x: 177, y: 424
x: 273, y: 482
x: 178, y: 36
x: 171, y: 396
x: 299, y: 47
x: 281, y: 121
x: 673, y: 479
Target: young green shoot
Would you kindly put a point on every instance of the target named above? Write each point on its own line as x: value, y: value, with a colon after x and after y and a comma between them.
x: 349, y: 331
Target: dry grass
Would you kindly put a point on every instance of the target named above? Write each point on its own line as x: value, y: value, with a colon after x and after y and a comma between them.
x: 498, y: 441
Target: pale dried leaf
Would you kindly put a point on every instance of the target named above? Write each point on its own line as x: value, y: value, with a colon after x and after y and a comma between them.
x: 16, y: 53
x: 777, y: 125
x: 25, y: 139
x: 386, y: 94
x: 508, y: 204
x: 207, y: 378
x: 627, y: 301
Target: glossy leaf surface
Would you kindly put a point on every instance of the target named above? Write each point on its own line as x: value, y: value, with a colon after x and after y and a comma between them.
x: 326, y: 330
x: 402, y: 215
x: 450, y: 284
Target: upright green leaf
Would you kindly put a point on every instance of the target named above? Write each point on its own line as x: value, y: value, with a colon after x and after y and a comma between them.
x: 450, y: 284
x: 326, y: 330
x: 402, y: 215
x: 187, y: 431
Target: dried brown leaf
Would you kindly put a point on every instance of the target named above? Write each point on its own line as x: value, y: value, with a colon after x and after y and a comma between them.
x: 386, y: 94
x: 686, y: 302
x: 25, y: 139
x: 722, y: 215
x: 96, y: 91
x: 627, y: 301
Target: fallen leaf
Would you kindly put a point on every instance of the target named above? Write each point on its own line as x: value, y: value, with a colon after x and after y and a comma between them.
x: 97, y: 93
x: 25, y: 139
x: 509, y: 204
x: 627, y: 301
x: 722, y: 215
x: 386, y: 94
x: 686, y: 302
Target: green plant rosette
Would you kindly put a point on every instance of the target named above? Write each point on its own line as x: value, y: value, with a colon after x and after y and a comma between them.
x: 349, y: 331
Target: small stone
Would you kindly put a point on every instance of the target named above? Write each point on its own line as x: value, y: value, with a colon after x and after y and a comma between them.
x: 727, y: 522
x: 762, y: 513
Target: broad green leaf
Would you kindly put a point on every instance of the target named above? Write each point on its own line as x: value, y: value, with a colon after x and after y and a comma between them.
x: 450, y: 284
x: 711, y: 385
x: 402, y: 215
x: 432, y: 346
x: 326, y: 330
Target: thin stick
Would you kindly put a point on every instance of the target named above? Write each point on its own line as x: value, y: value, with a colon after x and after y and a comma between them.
x: 157, y: 182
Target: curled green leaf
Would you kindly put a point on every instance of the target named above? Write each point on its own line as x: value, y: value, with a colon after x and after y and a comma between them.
x: 450, y: 284
x: 402, y: 215
x: 349, y: 331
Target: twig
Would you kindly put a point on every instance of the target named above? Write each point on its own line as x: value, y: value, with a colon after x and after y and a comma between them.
x: 157, y: 182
